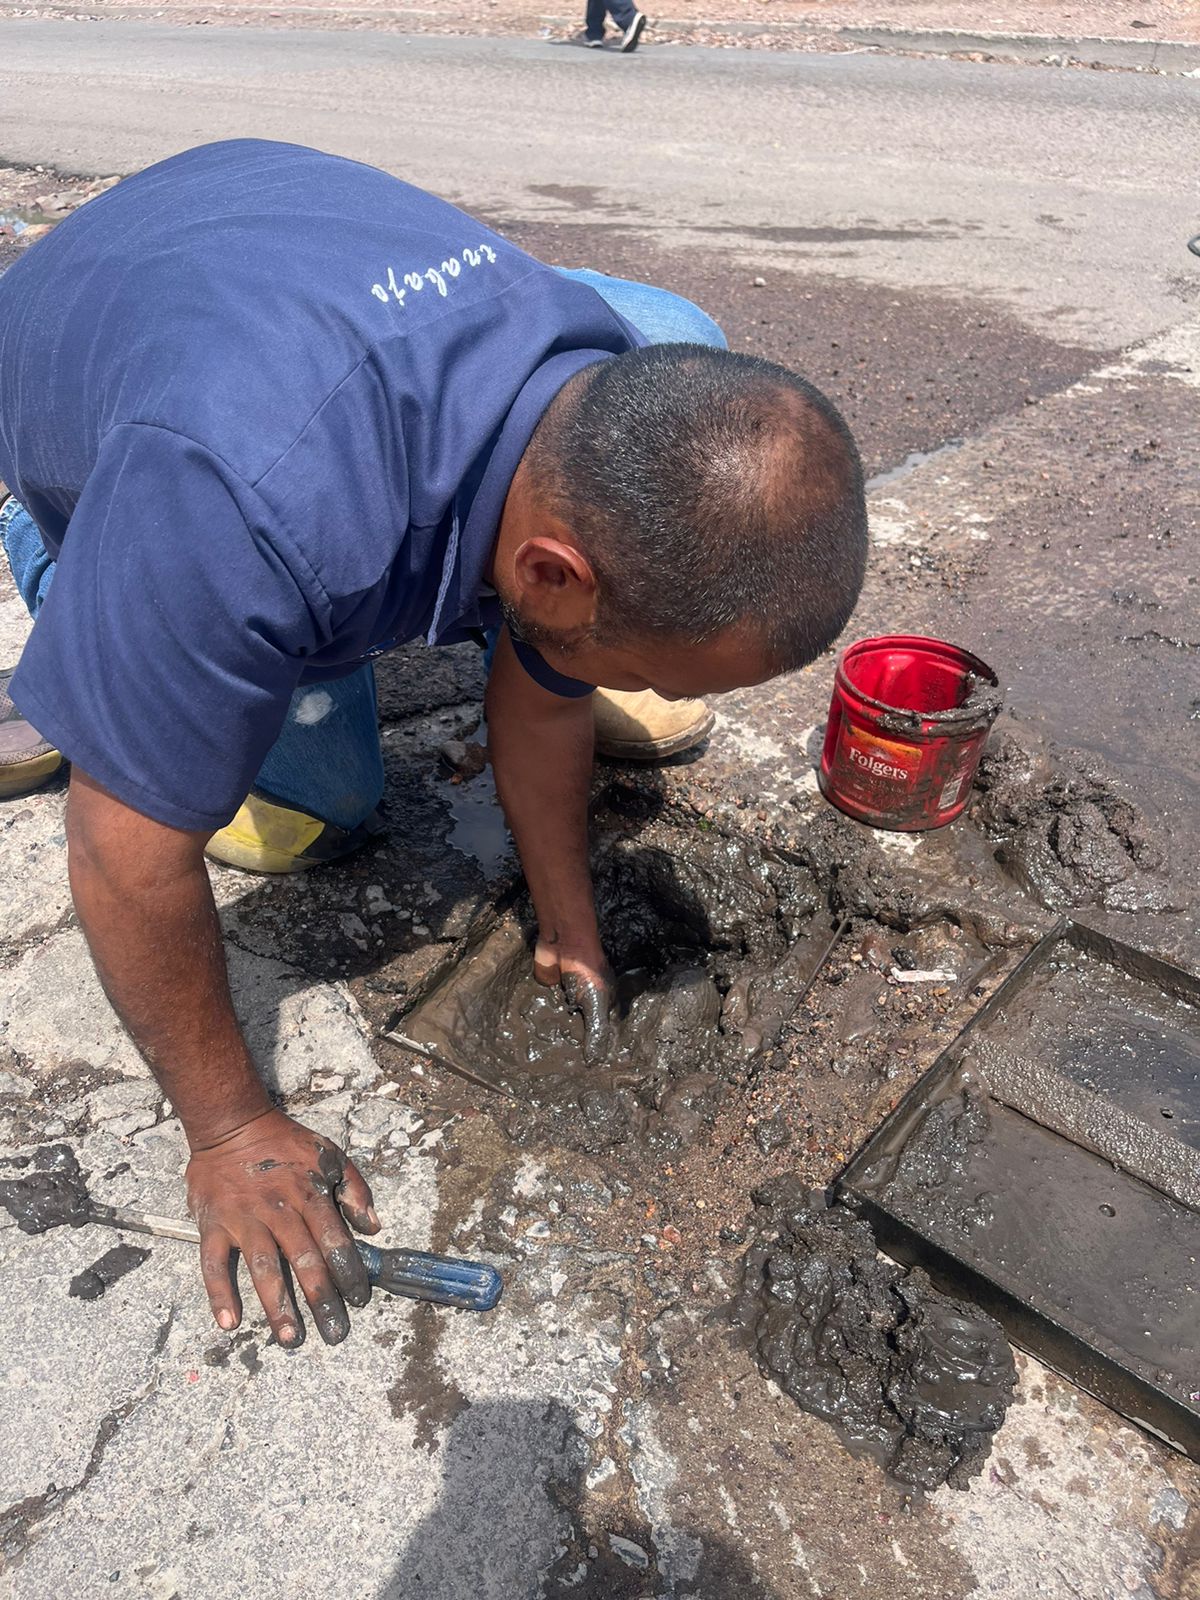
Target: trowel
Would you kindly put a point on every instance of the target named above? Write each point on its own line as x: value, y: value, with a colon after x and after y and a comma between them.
x: 415, y: 1274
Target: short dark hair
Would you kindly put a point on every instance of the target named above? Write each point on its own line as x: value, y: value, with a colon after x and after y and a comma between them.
x: 708, y: 489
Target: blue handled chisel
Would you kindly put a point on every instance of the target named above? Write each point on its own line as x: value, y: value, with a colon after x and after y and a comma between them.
x: 415, y: 1274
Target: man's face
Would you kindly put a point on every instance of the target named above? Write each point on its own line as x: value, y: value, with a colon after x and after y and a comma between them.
x: 549, y: 597
x: 674, y: 671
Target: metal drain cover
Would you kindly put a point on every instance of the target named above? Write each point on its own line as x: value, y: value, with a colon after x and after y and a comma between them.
x: 1047, y: 1166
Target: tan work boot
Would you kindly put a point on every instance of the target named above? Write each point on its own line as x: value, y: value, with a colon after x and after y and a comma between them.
x: 645, y: 727
x: 27, y: 761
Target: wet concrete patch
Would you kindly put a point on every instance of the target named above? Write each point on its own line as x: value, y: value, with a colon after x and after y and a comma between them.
x: 1031, y: 1169
x: 50, y: 1192
x: 1068, y: 835
x: 919, y: 1381
x: 710, y: 939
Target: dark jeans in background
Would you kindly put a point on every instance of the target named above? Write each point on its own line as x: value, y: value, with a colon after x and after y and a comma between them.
x: 621, y: 11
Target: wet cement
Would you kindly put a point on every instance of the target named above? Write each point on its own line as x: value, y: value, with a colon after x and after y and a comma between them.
x: 52, y: 1193
x: 919, y: 1381
x: 1107, y: 1257
x: 713, y: 944
x: 111, y: 1267
x: 1112, y: 1033
x: 1066, y: 834
x: 1058, y: 1160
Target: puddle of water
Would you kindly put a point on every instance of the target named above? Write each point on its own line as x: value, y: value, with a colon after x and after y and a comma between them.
x: 16, y: 221
x: 913, y: 460
x: 480, y: 830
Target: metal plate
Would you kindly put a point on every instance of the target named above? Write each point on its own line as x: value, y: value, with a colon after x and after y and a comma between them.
x: 1047, y: 1166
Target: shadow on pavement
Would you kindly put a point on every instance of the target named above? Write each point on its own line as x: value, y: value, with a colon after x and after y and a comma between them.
x: 508, y: 1525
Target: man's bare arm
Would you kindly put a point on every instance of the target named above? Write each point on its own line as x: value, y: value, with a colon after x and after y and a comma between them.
x: 541, y: 749
x: 257, y: 1181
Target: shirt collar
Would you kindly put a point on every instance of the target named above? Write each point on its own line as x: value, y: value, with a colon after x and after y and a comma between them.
x: 473, y: 534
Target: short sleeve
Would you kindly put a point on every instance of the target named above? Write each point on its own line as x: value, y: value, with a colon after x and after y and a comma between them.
x: 173, y: 635
x: 544, y: 674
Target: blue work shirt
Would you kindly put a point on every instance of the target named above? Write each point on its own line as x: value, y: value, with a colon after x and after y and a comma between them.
x: 265, y: 406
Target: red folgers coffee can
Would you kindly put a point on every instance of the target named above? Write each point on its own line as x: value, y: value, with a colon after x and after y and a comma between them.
x: 907, y: 726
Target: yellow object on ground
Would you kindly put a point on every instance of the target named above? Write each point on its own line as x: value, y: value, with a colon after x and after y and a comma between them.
x: 266, y: 836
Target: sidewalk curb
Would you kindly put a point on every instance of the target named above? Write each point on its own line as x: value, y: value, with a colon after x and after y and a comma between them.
x: 1138, y: 55
x: 1170, y: 57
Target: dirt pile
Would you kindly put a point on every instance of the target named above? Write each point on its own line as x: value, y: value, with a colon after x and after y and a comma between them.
x: 920, y: 1381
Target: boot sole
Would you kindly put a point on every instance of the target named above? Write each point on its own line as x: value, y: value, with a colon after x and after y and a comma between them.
x: 23, y: 777
x: 656, y: 749
x: 249, y: 856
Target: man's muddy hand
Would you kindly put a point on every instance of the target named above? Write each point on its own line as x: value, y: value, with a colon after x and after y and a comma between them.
x: 272, y: 1191
x: 587, y: 981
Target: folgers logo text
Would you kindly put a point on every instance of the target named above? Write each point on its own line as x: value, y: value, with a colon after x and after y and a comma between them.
x: 877, y: 768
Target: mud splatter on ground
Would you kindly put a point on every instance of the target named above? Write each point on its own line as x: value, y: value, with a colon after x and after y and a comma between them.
x: 422, y: 1390
x: 50, y: 1195
x: 920, y: 1381
x: 111, y: 1267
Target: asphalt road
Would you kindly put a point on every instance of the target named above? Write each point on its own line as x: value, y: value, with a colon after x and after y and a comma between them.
x: 1064, y: 197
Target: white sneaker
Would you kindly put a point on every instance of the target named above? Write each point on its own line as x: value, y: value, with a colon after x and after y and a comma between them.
x: 629, y: 39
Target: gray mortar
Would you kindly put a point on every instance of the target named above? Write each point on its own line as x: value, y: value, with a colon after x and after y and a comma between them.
x: 711, y: 941
x: 920, y: 1381
x: 1092, y: 1121
x: 1066, y: 835
x: 52, y: 1193
x: 110, y: 1268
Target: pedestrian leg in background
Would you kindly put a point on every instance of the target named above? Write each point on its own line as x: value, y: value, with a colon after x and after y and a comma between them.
x: 316, y: 794
x: 624, y: 13
x: 27, y: 761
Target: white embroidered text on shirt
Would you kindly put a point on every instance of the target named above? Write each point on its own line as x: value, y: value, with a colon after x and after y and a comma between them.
x: 414, y: 282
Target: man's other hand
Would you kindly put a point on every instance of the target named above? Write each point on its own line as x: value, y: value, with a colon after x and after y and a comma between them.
x: 587, y: 982
x: 272, y: 1191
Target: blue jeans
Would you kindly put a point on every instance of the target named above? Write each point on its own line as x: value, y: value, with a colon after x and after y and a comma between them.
x: 621, y: 11
x: 327, y: 762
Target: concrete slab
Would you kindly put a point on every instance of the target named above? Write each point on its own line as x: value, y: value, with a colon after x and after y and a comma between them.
x: 54, y: 1015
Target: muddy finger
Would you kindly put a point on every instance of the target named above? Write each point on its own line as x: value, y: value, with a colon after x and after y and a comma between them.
x: 343, y: 1260
x: 313, y: 1275
x: 354, y: 1197
x: 220, y: 1279
x: 593, y: 1001
x: 261, y: 1255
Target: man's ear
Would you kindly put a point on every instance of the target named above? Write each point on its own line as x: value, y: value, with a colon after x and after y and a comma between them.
x: 555, y: 584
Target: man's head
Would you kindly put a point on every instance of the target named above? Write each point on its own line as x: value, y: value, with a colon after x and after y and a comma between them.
x: 684, y: 519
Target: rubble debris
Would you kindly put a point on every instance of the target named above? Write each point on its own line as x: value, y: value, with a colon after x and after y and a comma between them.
x: 918, y: 1380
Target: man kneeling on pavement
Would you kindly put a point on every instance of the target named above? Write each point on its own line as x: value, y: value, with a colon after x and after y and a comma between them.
x: 265, y: 414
